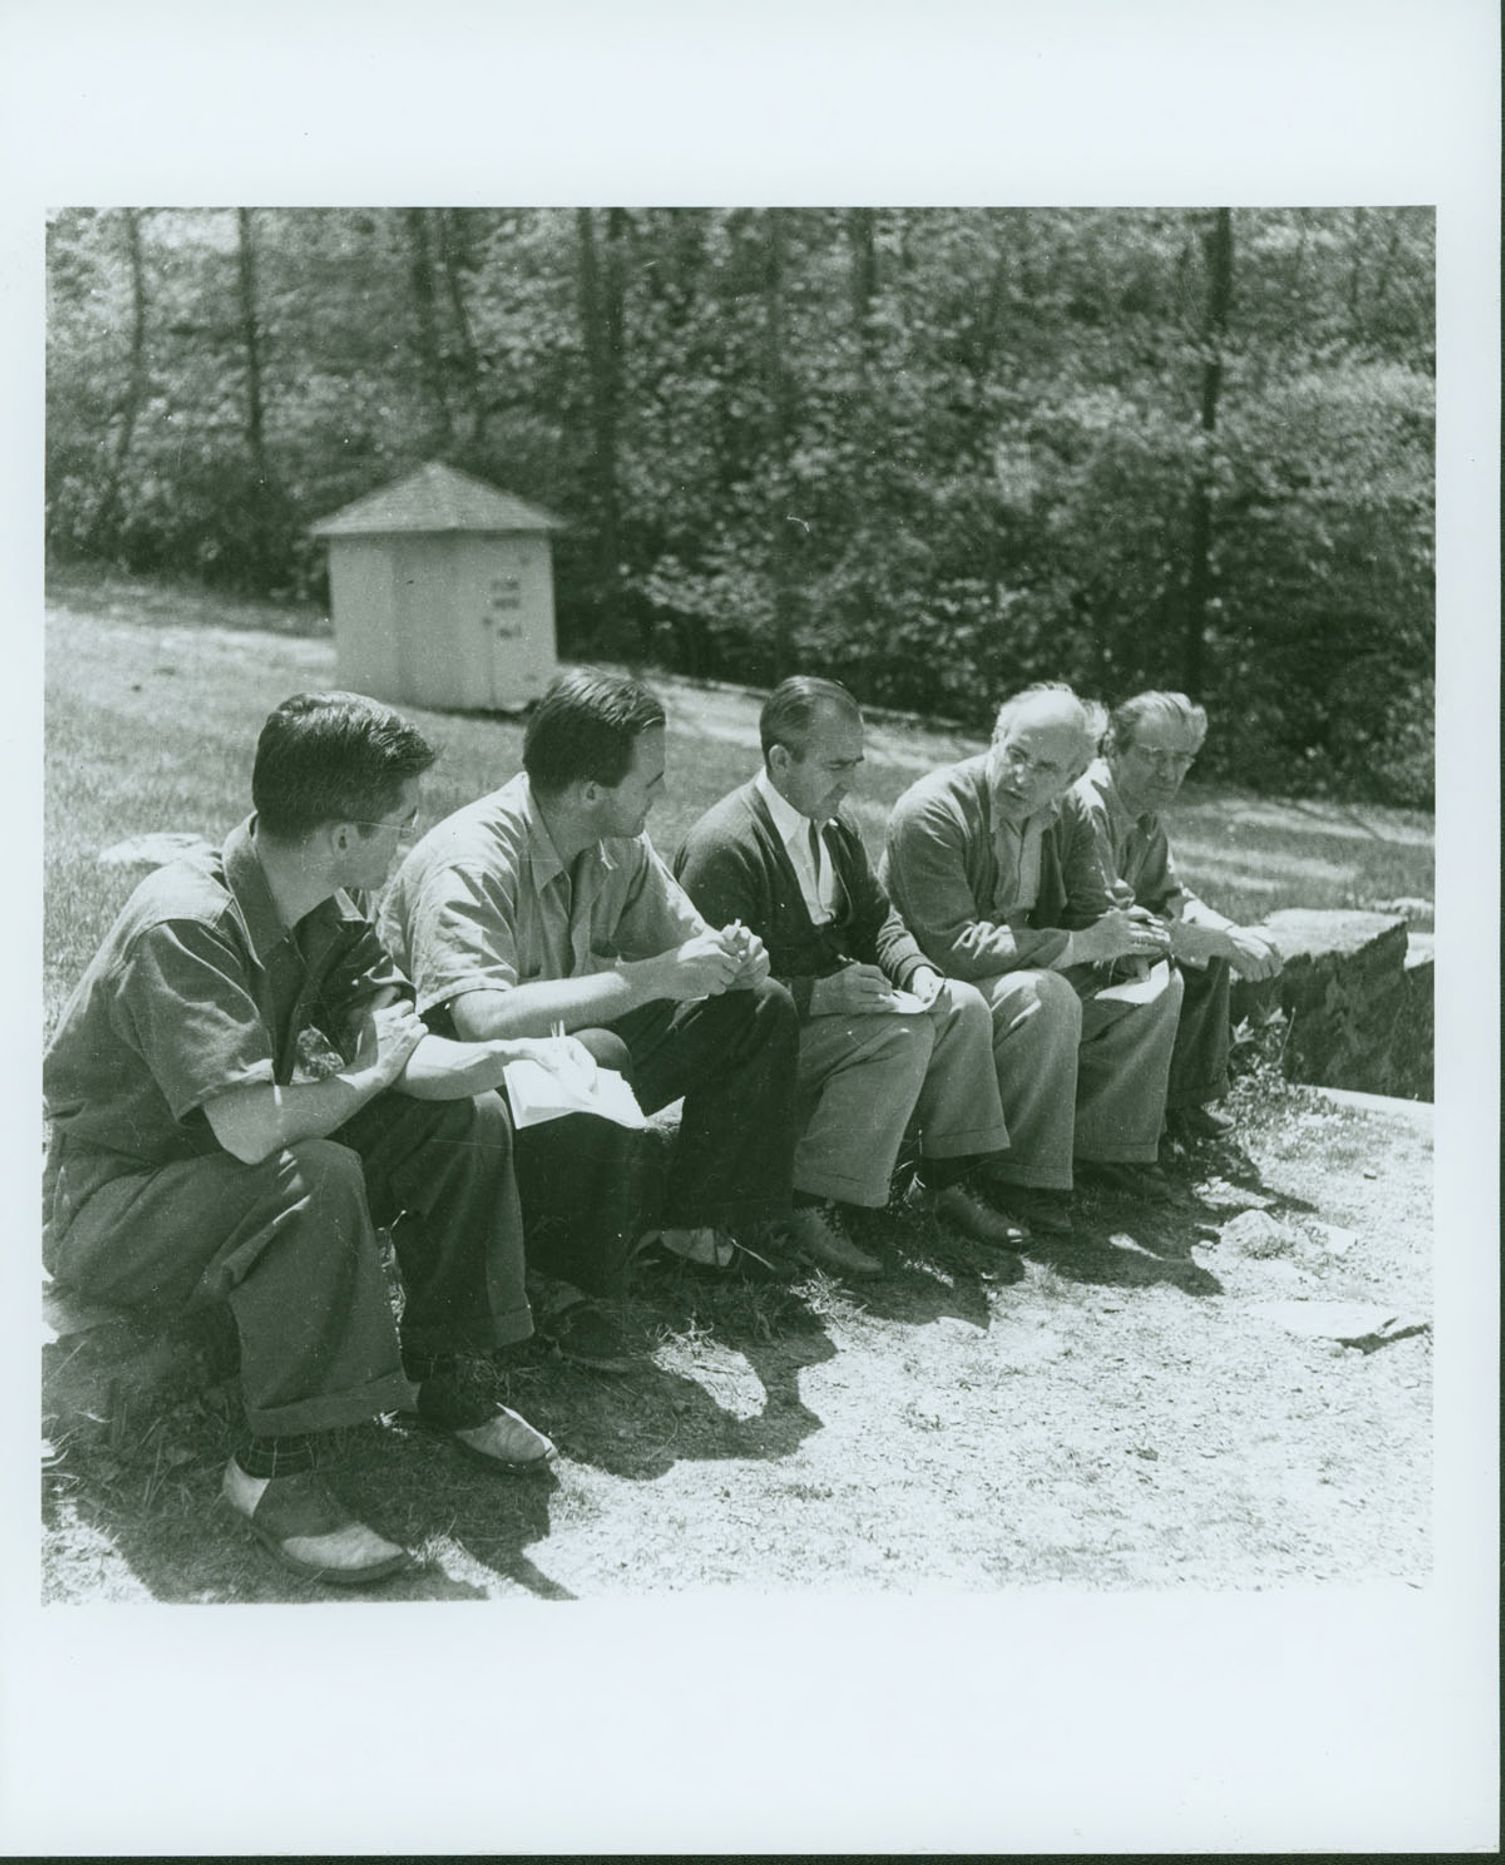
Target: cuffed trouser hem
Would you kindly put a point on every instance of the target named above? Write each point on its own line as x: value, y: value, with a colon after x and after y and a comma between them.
x: 392, y: 1392
x: 844, y: 1190
x: 954, y: 1145
x: 503, y: 1330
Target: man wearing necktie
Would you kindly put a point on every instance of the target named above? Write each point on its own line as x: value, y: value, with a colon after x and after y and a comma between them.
x: 998, y: 871
x: 886, y: 1042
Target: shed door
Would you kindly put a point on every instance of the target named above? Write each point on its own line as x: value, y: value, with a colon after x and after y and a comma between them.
x: 512, y: 578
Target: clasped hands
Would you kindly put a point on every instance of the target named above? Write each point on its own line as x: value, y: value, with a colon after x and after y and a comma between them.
x: 1136, y: 932
x: 711, y: 962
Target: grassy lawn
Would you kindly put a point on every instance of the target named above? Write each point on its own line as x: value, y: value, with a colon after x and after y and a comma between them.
x: 1129, y: 1411
x: 154, y: 701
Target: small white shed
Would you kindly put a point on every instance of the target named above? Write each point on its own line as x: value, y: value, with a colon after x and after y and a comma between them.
x: 442, y: 593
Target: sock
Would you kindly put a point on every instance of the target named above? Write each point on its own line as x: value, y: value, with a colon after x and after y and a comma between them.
x: 936, y: 1174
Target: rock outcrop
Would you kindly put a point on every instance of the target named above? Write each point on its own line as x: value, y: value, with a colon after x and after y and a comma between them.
x: 1357, y: 988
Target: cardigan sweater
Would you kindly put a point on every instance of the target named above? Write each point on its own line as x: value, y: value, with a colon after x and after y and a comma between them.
x: 942, y: 870
x: 734, y: 866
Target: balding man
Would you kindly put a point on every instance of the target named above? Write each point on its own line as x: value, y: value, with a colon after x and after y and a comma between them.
x: 1153, y: 741
x: 998, y: 875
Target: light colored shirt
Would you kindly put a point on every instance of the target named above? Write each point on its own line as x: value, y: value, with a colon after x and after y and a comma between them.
x: 806, y: 848
x: 484, y: 902
x: 1137, y: 851
x: 1016, y: 850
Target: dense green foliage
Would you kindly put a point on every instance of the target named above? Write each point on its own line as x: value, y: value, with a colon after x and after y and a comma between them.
x: 935, y: 452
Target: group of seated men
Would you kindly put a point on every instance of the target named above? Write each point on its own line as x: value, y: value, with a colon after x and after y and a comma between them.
x: 251, y: 1078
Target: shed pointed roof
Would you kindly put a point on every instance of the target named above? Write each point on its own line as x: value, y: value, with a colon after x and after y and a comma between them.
x: 435, y: 498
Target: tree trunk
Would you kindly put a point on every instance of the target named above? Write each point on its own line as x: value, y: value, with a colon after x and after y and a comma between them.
x: 107, y: 515
x: 430, y: 359
x: 250, y: 337
x: 600, y: 300
x: 859, y: 226
x: 451, y: 247
x: 783, y: 523
x: 1217, y: 241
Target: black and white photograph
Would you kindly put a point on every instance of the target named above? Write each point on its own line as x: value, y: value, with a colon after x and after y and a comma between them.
x: 741, y: 878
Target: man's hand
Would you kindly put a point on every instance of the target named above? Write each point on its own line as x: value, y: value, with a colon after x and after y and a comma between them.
x: 1251, y: 954
x: 1121, y: 933
x: 560, y: 1055
x: 750, y: 952
x: 926, y: 984
x: 856, y: 990
x: 1195, y: 945
x: 388, y: 1036
x: 701, y: 967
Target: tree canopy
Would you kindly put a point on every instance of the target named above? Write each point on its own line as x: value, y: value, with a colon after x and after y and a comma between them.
x: 933, y: 452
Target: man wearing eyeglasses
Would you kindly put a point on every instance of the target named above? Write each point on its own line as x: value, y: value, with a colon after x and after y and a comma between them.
x: 997, y: 873
x: 1153, y: 741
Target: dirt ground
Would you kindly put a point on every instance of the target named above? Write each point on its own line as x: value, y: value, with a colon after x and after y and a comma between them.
x: 1162, y: 1402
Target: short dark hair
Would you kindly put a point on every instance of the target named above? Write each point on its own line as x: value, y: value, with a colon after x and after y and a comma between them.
x: 332, y: 757
x: 584, y: 728
x: 789, y: 710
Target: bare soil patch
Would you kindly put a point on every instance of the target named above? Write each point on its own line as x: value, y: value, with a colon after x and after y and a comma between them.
x: 1143, y: 1408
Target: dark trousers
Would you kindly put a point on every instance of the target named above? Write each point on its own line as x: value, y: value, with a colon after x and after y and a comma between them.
x: 1199, y: 1061
x: 732, y: 1058
x: 290, y: 1245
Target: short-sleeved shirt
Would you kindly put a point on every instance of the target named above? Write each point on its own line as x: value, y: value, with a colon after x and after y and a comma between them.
x: 484, y: 903
x: 199, y: 988
x: 1137, y: 850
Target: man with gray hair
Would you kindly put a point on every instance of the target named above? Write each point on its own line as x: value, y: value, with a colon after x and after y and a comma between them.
x: 997, y: 872
x: 1153, y: 741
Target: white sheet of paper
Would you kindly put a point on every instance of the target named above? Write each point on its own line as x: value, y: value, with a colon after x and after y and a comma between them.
x: 1138, y: 990
x: 537, y: 1094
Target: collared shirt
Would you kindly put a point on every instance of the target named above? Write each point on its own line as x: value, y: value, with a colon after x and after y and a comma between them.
x: 961, y: 892
x: 817, y: 884
x: 1017, y: 852
x: 1138, y: 851
x: 484, y: 902
x: 199, y: 988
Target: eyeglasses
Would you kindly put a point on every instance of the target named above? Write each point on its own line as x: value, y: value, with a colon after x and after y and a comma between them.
x: 1163, y: 759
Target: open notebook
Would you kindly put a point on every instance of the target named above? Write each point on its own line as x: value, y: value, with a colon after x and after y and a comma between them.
x: 538, y: 1094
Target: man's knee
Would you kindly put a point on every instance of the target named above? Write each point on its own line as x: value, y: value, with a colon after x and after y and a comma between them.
x: 763, y: 1013
x: 1041, y: 1000
x: 608, y: 1049
x: 317, y: 1168
x: 961, y: 1005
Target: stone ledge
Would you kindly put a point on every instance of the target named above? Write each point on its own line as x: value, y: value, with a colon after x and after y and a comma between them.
x: 1357, y: 988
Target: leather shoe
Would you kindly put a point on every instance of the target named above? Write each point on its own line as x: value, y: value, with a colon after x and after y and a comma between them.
x: 1043, y: 1213
x: 1147, y: 1183
x: 963, y: 1210
x: 298, y: 1520
x: 816, y: 1237
x: 505, y: 1442
x: 1203, y: 1122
